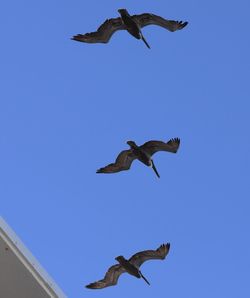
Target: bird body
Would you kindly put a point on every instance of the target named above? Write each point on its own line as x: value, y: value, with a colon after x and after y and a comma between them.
x: 140, y: 154
x: 132, y: 24
x: 143, y: 153
x: 131, y: 269
x: 130, y: 266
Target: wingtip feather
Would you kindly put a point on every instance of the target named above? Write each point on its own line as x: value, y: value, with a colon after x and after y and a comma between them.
x: 75, y: 38
x: 184, y: 24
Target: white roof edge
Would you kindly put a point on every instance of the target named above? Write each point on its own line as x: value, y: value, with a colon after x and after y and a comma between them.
x: 29, y: 261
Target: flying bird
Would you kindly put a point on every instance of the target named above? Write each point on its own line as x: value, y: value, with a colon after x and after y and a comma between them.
x: 132, y: 24
x: 142, y: 153
x: 130, y: 266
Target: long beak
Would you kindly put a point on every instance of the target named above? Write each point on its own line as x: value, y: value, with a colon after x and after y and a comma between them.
x: 154, y: 168
x: 144, y: 40
x: 144, y: 278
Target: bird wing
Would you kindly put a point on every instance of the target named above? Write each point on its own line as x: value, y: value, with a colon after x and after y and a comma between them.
x: 152, y: 147
x: 160, y: 253
x: 110, y: 278
x: 103, y: 33
x: 146, y: 19
x: 122, y: 163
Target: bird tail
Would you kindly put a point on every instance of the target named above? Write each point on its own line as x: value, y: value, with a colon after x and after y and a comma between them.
x: 154, y: 168
x: 144, y: 278
x: 144, y: 40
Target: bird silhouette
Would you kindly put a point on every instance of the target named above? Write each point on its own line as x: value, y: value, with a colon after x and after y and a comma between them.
x: 130, y: 266
x: 142, y: 153
x: 132, y: 24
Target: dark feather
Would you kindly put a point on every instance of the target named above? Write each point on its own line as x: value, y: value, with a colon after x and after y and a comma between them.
x: 146, y: 19
x: 110, y: 278
x: 160, y: 253
x: 152, y: 147
x: 123, y: 162
x: 103, y: 33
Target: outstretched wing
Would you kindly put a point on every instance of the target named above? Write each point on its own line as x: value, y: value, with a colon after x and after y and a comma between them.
x: 110, y: 278
x: 122, y: 163
x: 160, y: 253
x: 146, y: 19
x: 152, y: 147
x: 103, y: 33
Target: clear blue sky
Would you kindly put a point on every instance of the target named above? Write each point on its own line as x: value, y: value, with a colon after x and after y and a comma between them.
x: 68, y: 108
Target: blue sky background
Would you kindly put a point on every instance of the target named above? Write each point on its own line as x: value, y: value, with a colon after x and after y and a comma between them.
x: 68, y: 108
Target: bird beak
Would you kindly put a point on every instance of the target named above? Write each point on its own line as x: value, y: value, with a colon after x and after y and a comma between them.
x: 154, y: 168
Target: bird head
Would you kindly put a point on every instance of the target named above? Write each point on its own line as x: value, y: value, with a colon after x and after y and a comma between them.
x: 119, y: 259
x: 123, y: 11
x: 132, y: 144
